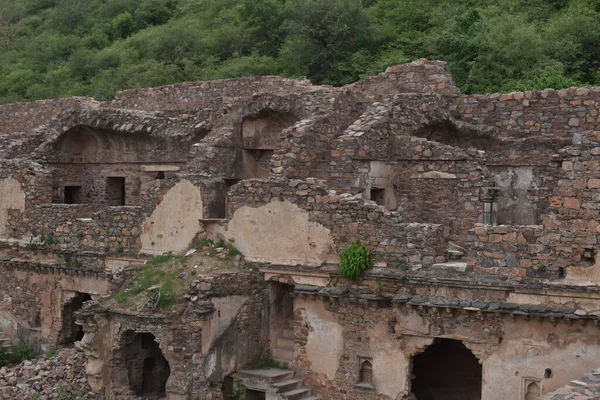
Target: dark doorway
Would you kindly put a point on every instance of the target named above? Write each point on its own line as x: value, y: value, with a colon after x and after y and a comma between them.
x: 72, y: 194
x: 147, y: 368
x: 447, y: 370
x: 115, y: 191
x: 281, y: 321
x: 255, y: 395
x: 72, y: 332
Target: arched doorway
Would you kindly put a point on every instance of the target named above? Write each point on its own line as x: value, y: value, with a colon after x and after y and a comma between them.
x: 447, y: 370
x: 533, y: 391
x: 147, y: 368
x: 71, y: 332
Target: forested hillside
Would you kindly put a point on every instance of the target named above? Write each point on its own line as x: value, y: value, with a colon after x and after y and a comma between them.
x: 52, y: 48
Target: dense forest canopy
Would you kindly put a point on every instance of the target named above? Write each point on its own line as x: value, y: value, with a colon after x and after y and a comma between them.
x: 57, y: 48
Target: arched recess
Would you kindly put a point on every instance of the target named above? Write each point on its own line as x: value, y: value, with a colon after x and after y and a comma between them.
x: 103, y: 167
x: 281, y: 320
x: 447, y: 132
x: 446, y: 370
x: 366, y: 372
x: 261, y: 136
x: 533, y: 391
x: 144, y: 364
x: 71, y: 332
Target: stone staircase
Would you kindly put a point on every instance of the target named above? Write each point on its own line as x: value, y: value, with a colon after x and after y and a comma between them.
x: 283, y: 349
x: 5, y: 342
x: 278, y: 384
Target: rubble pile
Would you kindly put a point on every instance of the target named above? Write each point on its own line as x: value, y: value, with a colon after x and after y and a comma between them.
x: 587, y: 388
x: 61, y: 377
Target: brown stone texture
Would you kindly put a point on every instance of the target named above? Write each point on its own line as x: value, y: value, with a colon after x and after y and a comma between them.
x: 481, y: 212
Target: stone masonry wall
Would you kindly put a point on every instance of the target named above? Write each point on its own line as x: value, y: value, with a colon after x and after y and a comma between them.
x: 551, y: 113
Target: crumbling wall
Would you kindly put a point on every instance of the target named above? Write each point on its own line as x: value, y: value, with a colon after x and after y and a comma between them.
x: 345, y: 217
x: 218, y: 330
x: 549, y: 350
x: 548, y: 112
x: 33, y: 299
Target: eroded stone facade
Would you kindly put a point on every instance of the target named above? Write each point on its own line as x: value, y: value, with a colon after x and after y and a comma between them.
x: 481, y: 212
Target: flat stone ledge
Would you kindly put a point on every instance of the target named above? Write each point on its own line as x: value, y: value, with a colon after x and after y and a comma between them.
x: 452, y: 266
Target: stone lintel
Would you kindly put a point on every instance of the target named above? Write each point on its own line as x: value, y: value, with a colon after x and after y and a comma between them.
x: 158, y: 168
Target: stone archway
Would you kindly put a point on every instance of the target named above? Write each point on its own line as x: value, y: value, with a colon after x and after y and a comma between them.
x: 446, y: 370
x: 72, y: 332
x: 147, y: 368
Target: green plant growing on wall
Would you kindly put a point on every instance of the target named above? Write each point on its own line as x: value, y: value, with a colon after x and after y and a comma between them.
x: 232, y: 251
x: 355, y: 259
x: 49, y: 240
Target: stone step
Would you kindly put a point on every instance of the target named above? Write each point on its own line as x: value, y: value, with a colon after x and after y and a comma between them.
x: 296, y: 394
x: 272, y: 375
x: 284, y: 353
x: 285, y: 342
x: 288, y: 333
x: 287, y: 385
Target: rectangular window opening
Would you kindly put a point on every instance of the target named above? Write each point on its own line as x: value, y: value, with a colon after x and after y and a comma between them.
x: 255, y: 395
x: 378, y: 196
x: 115, y: 191
x: 160, y: 175
x: 588, y: 257
x: 72, y: 194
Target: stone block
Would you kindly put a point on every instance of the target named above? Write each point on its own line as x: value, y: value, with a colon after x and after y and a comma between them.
x: 572, y: 203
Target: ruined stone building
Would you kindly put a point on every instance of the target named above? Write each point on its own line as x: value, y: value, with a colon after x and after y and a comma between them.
x: 482, y: 213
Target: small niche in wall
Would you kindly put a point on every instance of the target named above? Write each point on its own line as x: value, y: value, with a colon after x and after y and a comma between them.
x: 532, y: 388
x: 378, y: 196
x: 160, y: 175
x: 365, y: 373
x: 56, y: 194
x: 115, y: 191
x: 72, y: 194
x: 37, y: 320
x: 588, y: 257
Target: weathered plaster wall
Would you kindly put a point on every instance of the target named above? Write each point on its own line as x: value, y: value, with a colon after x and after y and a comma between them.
x: 32, y: 300
x: 12, y: 198
x: 174, y: 223
x: 280, y: 232
x: 531, y: 347
x: 325, y: 344
x: 226, y: 310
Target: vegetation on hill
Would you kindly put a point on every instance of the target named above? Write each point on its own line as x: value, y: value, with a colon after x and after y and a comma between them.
x: 52, y: 48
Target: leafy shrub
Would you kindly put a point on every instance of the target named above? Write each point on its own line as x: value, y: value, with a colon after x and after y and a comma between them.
x: 18, y: 352
x: 232, y: 251
x: 354, y: 259
x: 205, y: 243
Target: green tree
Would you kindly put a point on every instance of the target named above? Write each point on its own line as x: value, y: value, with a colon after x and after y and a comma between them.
x: 321, y: 34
